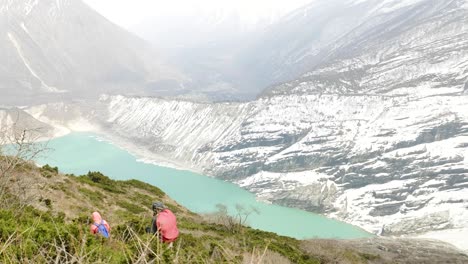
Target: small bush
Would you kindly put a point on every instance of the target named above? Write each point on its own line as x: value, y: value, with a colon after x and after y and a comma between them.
x: 94, y: 196
x: 142, y: 199
x: 132, y: 208
x: 147, y: 187
x: 98, y: 179
x: 47, y: 171
x: 367, y: 256
x: 49, y: 168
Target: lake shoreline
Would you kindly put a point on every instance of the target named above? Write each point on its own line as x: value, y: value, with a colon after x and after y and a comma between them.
x: 195, y: 191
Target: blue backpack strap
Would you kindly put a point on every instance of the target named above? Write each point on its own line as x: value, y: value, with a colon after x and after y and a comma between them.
x: 102, y: 229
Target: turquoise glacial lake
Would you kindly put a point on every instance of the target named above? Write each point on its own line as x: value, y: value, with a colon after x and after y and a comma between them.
x: 79, y: 153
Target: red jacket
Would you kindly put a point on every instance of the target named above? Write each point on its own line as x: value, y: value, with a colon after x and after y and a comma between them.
x: 166, y: 225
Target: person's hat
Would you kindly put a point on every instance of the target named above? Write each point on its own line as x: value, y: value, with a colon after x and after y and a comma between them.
x: 158, y: 206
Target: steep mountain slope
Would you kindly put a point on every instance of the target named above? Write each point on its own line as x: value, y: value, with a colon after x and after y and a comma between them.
x: 65, y: 49
x: 419, y: 53
x: 357, y: 34
x: 375, y: 133
x: 376, y: 161
x: 13, y: 123
x: 53, y: 213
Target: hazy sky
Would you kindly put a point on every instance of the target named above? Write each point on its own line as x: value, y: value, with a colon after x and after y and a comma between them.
x: 129, y: 13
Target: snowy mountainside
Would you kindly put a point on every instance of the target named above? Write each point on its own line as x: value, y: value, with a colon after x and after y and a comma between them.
x: 374, y: 133
x: 181, y: 128
x: 63, y: 49
x: 364, y: 39
x: 370, y: 160
x: 430, y: 56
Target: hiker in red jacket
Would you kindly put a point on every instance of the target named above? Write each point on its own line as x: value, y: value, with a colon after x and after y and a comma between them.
x: 165, y: 223
x: 99, y: 226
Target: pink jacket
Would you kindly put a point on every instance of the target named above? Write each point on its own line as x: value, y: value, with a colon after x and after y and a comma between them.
x: 97, y: 220
x: 166, y: 224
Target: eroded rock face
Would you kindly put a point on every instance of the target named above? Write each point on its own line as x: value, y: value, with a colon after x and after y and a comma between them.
x: 391, y: 250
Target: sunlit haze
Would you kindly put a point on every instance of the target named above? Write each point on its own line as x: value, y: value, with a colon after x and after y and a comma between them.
x: 128, y: 13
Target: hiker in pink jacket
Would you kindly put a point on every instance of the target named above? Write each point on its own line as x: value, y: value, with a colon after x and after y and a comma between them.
x: 99, y: 225
x: 164, y: 222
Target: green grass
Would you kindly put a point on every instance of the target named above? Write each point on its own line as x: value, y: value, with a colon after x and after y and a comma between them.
x: 158, y: 193
x: 94, y: 196
x: 35, y: 236
x: 32, y: 236
x: 130, y: 207
x: 98, y: 179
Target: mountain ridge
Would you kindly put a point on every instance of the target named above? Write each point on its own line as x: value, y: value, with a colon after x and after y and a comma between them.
x: 64, y: 49
x: 363, y: 41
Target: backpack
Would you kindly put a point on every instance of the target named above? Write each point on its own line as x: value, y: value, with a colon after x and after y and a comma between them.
x: 102, y: 229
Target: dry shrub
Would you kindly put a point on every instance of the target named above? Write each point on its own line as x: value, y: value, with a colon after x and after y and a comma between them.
x: 265, y: 257
x: 18, y: 149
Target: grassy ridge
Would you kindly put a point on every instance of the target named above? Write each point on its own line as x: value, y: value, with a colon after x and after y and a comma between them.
x: 45, y: 217
x: 35, y: 236
x: 56, y: 227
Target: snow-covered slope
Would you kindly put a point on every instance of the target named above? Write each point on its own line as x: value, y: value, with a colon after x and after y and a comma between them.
x: 375, y: 134
x: 371, y: 160
x: 357, y: 34
x: 427, y: 50
x: 55, y: 49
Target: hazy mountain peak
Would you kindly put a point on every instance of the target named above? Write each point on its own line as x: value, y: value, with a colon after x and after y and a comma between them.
x: 53, y: 46
x: 26, y: 7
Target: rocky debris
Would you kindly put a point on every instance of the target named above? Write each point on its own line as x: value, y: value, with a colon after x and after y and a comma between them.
x: 403, y: 250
